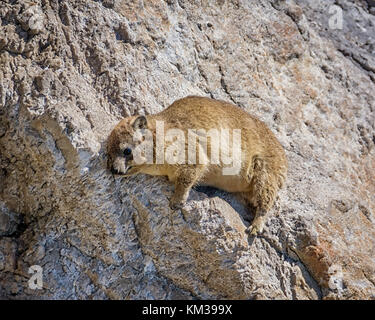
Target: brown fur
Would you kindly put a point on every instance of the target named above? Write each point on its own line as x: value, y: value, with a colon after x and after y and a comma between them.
x: 264, y: 165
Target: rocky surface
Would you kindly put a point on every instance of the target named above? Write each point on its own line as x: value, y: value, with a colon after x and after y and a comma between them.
x: 70, y: 70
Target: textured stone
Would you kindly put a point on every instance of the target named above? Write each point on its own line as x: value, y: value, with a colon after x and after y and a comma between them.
x: 70, y: 70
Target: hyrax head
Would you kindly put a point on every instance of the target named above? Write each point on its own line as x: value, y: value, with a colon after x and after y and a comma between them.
x: 122, y: 143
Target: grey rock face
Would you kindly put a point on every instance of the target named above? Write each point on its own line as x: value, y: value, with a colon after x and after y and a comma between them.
x: 70, y: 70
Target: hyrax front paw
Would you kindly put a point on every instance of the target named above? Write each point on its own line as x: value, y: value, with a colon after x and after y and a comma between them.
x: 175, y: 204
x: 254, y: 230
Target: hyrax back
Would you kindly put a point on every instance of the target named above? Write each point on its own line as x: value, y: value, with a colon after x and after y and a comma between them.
x: 262, y: 163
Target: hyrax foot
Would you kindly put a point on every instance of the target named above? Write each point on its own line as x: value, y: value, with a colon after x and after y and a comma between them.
x: 176, y: 204
x: 257, y: 226
x: 254, y: 230
x: 183, y: 185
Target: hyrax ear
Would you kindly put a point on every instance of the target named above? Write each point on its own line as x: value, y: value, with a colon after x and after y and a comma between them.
x: 140, y: 123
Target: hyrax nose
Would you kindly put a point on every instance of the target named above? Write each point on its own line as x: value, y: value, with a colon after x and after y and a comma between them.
x: 114, y: 171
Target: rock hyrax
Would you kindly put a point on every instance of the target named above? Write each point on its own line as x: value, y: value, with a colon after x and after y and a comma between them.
x: 194, y: 141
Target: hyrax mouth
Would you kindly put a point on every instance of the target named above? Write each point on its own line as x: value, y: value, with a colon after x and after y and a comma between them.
x: 120, y: 173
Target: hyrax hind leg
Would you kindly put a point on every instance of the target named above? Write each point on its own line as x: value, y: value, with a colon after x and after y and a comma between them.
x: 265, y: 183
x: 186, y: 178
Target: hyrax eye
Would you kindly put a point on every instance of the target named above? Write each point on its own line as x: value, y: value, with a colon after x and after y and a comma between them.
x: 127, y: 152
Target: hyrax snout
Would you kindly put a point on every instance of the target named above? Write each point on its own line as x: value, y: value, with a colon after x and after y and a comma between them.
x: 203, y: 141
